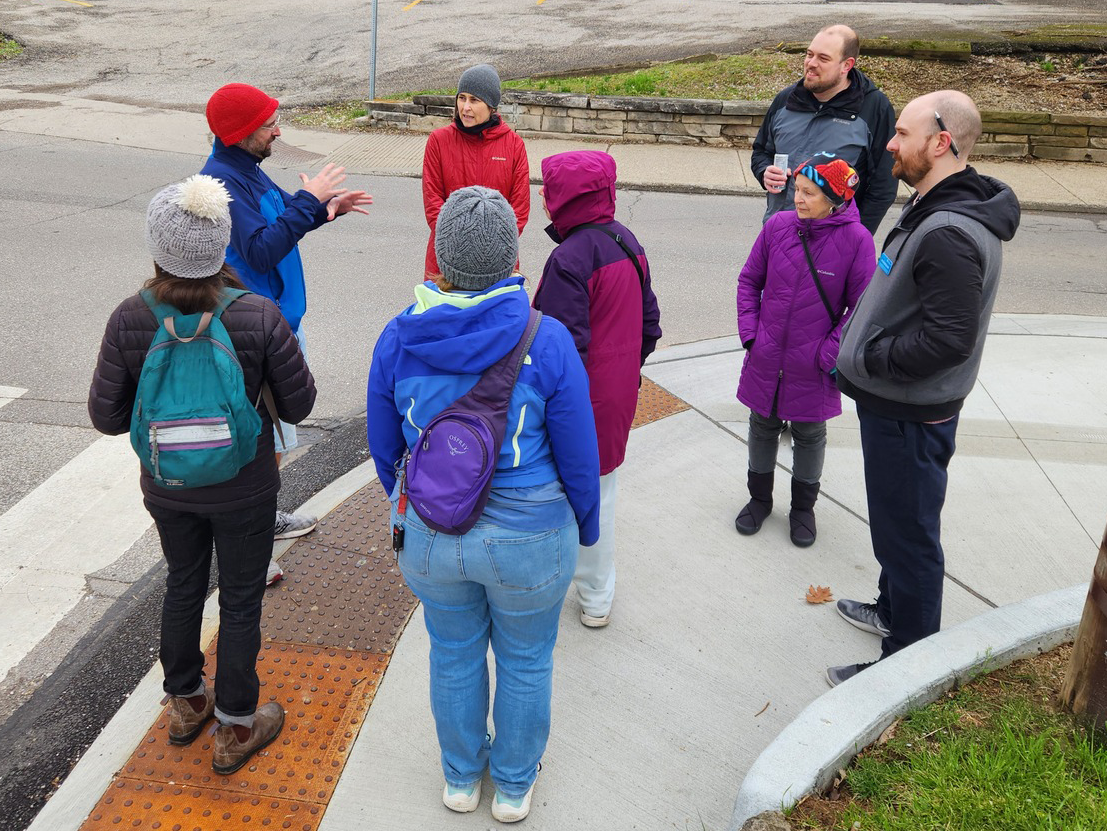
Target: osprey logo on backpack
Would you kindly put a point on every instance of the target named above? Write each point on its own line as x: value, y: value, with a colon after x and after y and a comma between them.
x: 456, y: 445
x: 193, y: 424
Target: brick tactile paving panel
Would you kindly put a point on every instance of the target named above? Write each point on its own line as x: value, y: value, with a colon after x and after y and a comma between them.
x: 655, y: 403
x: 133, y: 803
x: 325, y: 694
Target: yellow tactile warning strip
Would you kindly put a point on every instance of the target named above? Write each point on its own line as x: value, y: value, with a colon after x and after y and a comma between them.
x: 655, y: 403
x: 328, y: 631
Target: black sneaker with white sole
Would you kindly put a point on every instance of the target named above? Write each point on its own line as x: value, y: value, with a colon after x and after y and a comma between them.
x: 863, y: 616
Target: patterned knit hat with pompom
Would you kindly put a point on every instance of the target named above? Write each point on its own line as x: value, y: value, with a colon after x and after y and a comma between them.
x: 832, y: 175
x: 188, y: 227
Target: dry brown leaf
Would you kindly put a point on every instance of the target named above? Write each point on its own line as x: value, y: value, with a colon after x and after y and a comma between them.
x: 818, y: 594
x: 889, y: 732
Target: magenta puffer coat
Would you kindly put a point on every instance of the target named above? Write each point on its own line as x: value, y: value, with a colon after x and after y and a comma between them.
x: 790, y: 344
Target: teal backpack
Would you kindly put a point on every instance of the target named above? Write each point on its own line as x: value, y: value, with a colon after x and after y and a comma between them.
x: 193, y: 424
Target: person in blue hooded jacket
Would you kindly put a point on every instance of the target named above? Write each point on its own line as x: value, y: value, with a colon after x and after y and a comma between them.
x: 267, y: 223
x: 502, y: 583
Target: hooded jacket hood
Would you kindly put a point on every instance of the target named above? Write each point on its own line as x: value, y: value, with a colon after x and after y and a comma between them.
x: 579, y: 187
x: 464, y: 333
x: 989, y: 201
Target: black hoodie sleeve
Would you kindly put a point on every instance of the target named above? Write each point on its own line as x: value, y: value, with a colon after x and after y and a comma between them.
x: 878, y: 187
x: 764, y: 146
x: 949, y: 279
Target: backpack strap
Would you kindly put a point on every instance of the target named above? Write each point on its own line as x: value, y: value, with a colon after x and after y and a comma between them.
x: 834, y: 317
x: 508, y: 367
x: 622, y: 244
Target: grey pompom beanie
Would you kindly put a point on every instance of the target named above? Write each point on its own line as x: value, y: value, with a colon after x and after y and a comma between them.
x: 482, y: 81
x: 476, y: 239
x: 188, y: 227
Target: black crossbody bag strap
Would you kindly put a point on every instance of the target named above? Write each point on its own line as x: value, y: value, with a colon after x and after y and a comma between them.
x: 834, y: 318
x: 622, y: 244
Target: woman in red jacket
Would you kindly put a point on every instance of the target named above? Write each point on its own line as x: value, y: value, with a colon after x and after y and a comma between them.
x: 476, y: 149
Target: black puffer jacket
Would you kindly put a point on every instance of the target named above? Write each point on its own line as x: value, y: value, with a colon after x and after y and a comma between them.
x: 267, y: 350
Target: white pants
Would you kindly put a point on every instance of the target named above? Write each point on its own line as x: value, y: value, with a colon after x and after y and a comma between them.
x: 595, y: 574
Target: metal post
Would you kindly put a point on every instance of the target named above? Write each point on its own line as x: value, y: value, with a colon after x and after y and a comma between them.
x: 373, y: 58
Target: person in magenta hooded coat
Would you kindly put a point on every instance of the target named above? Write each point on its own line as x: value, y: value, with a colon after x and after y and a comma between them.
x: 605, y: 299
x: 790, y: 333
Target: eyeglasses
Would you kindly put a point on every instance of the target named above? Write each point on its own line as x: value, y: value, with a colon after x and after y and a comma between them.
x: 942, y: 126
x: 277, y: 123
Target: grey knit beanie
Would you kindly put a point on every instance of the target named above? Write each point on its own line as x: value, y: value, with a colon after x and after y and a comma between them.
x: 476, y: 239
x: 188, y: 227
x: 482, y: 81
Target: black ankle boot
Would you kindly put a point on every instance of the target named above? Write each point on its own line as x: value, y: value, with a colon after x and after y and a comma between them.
x: 749, y: 519
x: 801, y: 519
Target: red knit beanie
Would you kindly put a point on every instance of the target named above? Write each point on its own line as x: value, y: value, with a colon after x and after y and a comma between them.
x: 236, y: 110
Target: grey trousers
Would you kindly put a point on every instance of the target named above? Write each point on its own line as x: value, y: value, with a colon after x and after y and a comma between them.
x: 808, y: 450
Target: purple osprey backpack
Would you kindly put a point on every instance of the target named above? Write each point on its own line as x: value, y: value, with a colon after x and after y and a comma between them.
x: 448, y: 473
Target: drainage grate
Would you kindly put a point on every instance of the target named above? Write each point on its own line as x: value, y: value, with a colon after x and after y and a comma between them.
x: 288, y: 154
x: 656, y: 403
x: 381, y: 153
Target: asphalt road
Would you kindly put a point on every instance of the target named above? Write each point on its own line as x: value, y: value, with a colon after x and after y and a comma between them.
x: 176, y: 52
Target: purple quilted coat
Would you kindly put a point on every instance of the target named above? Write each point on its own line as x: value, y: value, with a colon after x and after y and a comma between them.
x: 783, y: 324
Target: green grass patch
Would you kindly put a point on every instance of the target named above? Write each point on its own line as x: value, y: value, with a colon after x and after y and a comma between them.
x: 333, y: 116
x: 9, y: 48
x: 998, y: 755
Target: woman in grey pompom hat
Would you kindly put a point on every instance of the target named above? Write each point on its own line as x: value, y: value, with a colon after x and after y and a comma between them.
x: 187, y: 231
x: 475, y: 148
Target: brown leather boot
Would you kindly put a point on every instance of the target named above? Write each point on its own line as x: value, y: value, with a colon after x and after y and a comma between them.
x: 185, y: 721
x: 233, y: 749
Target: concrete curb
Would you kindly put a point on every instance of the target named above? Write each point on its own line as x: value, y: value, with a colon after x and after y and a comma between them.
x: 836, y: 726
x: 70, y: 805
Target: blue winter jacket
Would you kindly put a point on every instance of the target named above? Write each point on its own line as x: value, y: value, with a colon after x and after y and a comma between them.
x: 436, y: 350
x: 266, y: 225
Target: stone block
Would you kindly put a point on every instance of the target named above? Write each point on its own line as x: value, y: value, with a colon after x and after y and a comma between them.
x: 528, y: 122
x: 1008, y: 138
x: 556, y: 112
x: 598, y: 127
x: 448, y: 112
x: 557, y: 124
x: 1059, y: 141
x: 577, y: 112
x: 1089, y: 120
x: 389, y: 118
x: 1099, y: 143
x: 1005, y: 150
x: 1097, y: 131
x: 677, y: 140
x: 434, y: 100
x: 691, y: 106
x: 717, y: 119
x: 426, y: 123
x: 552, y: 99
x: 1071, y: 130
x: 1016, y: 117
x: 1019, y: 127
x: 745, y: 108
x: 619, y: 102
x: 658, y: 128
x: 1071, y: 154
x: 743, y: 130
x: 704, y: 130
x: 394, y: 107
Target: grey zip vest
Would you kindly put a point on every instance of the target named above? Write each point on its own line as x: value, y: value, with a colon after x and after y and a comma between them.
x: 890, y: 306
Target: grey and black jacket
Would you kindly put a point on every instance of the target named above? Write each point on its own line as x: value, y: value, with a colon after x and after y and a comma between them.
x: 856, y: 124
x: 911, y: 350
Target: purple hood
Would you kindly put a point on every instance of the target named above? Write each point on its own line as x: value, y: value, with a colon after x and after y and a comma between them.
x: 579, y: 187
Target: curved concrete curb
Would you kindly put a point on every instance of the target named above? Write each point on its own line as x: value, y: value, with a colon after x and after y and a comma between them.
x: 837, y: 725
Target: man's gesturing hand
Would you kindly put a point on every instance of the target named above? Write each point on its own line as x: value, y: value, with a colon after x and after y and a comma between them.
x: 351, y: 200
x: 324, y: 185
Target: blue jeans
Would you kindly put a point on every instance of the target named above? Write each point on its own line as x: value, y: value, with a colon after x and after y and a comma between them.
x: 497, y: 586
x: 905, y: 482
x: 243, y: 541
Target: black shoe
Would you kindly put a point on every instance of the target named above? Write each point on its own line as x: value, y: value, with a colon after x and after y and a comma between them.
x: 863, y: 615
x: 751, y: 517
x: 801, y: 519
x: 836, y: 675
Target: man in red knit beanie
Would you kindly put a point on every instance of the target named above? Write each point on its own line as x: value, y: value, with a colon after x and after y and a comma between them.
x: 267, y: 224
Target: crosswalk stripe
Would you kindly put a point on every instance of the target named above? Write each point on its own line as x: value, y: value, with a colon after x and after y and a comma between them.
x: 78, y: 521
x: 9, y: 394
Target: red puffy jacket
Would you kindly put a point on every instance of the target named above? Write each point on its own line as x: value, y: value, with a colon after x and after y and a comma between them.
x: 495, y: 158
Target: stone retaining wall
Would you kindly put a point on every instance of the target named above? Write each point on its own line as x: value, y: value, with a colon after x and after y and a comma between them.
x: 726, y: 123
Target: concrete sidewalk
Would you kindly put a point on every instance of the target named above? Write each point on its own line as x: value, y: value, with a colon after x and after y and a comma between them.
x: 712, y: 650
x: 1040, y: 185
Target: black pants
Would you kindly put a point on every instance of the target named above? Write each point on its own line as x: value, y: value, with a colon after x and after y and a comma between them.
x: 243, y: 542
x: 905, y: 481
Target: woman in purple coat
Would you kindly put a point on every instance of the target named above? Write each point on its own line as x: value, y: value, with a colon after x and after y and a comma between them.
x: 803, y: 278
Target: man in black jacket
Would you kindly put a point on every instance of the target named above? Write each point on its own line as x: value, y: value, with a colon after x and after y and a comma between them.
x: 911, y: 352
x: 834, y: 108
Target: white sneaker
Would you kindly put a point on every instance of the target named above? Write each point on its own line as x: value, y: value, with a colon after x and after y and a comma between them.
x: 594, y: 621
x: 274, y: 573
x: 462, y: 800
x: 512, y: 809
x: 293, y: 525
